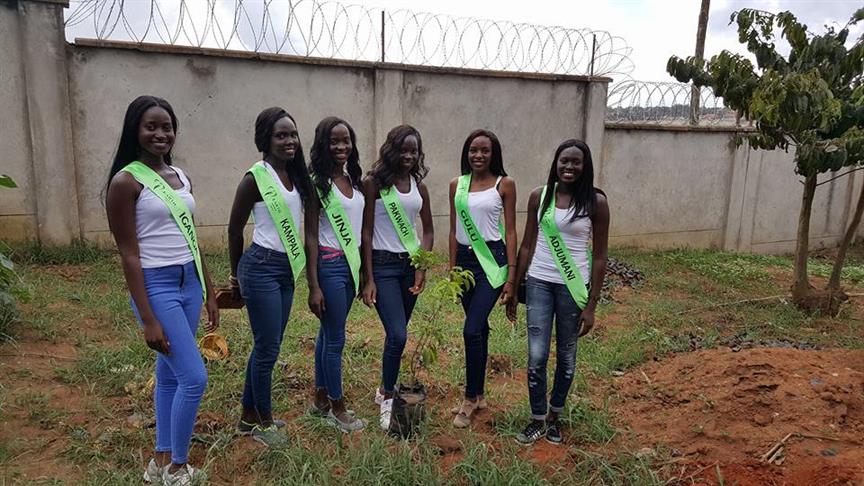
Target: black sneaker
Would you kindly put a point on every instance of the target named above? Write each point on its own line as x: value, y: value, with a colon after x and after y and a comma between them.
x: 532, y: 432
x: 553, y: 432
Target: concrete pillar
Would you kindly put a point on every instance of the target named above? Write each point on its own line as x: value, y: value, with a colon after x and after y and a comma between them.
x: 389, y: 101
x: 43, y: 47
x: 741, y: 206
x: 594, y: 123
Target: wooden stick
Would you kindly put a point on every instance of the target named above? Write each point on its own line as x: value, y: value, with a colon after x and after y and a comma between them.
x: 776, y: 447
x: 724, y: 304
x: 822, y: 437
x: 39, y: 355
x: 646, y: 377
x: 700, y: 470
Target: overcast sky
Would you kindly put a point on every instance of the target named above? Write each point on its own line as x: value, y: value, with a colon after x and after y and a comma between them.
x: 654, y: 29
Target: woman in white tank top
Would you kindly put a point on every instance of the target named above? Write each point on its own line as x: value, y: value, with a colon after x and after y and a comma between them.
x: 162, y: 276
x: 387, y: 265
x: 336, y: 173
x: 264, y: 276
x: 490, y: 195
x: 581, y: 213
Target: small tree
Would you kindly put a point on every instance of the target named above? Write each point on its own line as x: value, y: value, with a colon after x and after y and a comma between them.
x: 811, y: 101
x: 428, y: 329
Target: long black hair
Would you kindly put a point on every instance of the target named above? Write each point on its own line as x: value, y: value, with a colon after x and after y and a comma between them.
x: 296, y: 168
x: 321, y: 160
x: 129, y: 149
x: 384, y: 170
x: 496, y: 165
x: 584, y: 194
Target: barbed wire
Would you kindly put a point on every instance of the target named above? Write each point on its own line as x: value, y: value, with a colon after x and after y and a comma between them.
x: 664, y: 103
x: 334, y: 30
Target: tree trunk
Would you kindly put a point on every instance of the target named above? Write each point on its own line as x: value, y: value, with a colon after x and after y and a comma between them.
x: 801, y: 285
x: 834, y: 282
x: 701, y: 29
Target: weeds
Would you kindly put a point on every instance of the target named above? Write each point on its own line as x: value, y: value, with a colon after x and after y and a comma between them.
x: 87, y: 306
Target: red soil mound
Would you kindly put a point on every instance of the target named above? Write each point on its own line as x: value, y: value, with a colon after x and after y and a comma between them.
x: 719, y: 412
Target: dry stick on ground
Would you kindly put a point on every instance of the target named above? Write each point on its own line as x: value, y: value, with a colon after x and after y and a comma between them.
x: 694, y: 473
x: 769, y: 456
x: 39, y: 355
x: 822, y: 437
x: 745, y: 301
x: 648, y: 380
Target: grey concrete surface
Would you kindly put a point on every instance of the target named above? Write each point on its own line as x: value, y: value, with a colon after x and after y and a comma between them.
x: 17, y: 206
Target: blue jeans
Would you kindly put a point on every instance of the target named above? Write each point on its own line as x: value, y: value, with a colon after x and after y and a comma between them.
x: 393, y: 275
x: 267, y: 286
x: 545, y: 300
x: 478, y: 303
x: 337, y: 285
x: 175, y: 297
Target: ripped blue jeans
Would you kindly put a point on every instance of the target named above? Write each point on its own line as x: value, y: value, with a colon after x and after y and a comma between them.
x: 545, y: 301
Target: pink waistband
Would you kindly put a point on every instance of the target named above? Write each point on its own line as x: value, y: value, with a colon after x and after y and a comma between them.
x: 329, y: 253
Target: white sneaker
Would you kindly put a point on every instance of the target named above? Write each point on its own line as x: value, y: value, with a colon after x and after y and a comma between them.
x: 379, y: 397
x: 185, y: 476
x: 386, y: 411
x: 153, y: 473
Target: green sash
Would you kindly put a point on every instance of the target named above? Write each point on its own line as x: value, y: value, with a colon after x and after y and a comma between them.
x: 332, y: 207
x: 496, y: 275
x: 563, y: 260
x: 282, y: 218
x: 400, y: 220
x: 181, y: 214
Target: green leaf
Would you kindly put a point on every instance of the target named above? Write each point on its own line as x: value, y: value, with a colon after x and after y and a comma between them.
x: 6, y: 181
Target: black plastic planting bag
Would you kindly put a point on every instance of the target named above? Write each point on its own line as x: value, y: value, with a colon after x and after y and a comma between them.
x: 409, y: 409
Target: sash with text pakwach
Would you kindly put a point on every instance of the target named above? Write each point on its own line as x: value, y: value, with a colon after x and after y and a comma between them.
x: 181, y: 214
x: 399, y: 218
x: 561, y: 255
x: 282, y: 218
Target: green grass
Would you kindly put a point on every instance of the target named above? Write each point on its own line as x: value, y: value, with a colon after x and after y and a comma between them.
x: 77, y: 296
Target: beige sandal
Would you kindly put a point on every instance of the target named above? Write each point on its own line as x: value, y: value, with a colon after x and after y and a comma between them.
x: 463, y: 417
x: 481, y: 404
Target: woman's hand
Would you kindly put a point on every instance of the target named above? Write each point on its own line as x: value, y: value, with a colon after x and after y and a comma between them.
x: 511, y: 310
x: 316, y: 302
x: 419, y: 282
x: 234, y: 285
x: 212, y: 314
x: 586, y: 322
x: 155, y: 338
x: 506, y: 294
x: 369, y: 293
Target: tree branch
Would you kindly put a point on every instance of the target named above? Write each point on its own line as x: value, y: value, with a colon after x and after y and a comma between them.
x: 836, y: 177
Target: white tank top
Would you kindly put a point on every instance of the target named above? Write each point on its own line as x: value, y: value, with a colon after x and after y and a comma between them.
x: 485, y: 208
x: 160, y: 242
x: 353, y: 209
x: 575, y: 234
x: 265, y: 233
x: 384, y: 236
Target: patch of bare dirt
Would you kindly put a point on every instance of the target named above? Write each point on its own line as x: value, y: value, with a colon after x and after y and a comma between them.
x: 721, y: 411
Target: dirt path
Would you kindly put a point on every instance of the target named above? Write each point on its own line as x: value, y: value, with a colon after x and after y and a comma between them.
x: 38, y: 409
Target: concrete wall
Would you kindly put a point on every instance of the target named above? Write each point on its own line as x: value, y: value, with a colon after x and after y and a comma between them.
x: 217, y: 98
x: 673, y: 187
x: 64, y: 105
x: 17, y: 206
